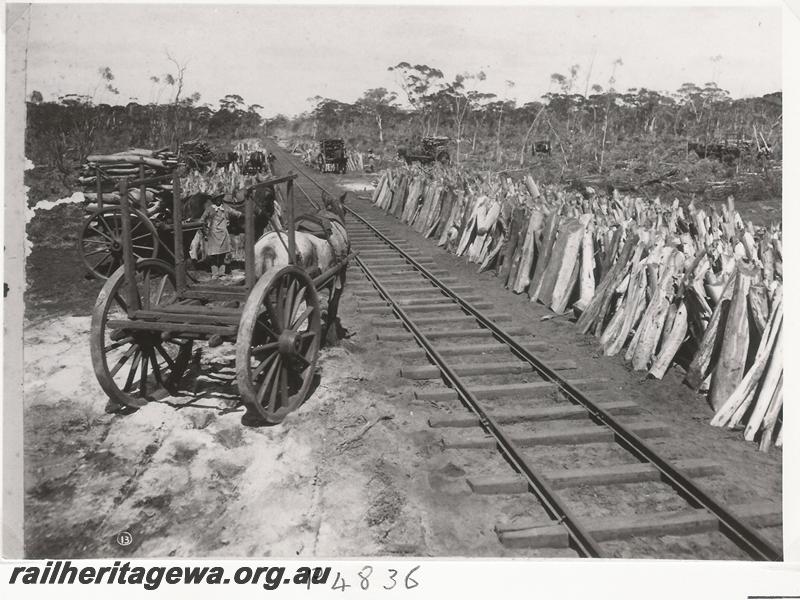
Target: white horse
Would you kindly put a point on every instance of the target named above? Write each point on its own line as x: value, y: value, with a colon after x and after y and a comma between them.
x: 313, y: 253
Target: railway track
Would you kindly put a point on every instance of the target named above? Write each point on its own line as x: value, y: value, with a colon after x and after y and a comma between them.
x: 500, y: 391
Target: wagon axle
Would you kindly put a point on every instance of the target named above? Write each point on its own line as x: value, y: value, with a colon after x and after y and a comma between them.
x: 289, y: 343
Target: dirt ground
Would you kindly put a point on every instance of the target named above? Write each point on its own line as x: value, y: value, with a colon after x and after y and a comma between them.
x: 356, y: 471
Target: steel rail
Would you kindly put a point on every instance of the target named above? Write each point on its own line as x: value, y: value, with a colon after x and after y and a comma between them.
x: 580, y: 538
x: 744, y: 536
x: 741, y: 534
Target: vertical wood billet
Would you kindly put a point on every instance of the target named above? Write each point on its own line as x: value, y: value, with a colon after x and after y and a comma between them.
x: 249, y: 241
x: 177, y: 231
x: 128, y: 259
x: 99, y: 188
x: 290, y: 219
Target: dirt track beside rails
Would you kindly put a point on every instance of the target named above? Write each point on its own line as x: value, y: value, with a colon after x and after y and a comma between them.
x: 355, y: 472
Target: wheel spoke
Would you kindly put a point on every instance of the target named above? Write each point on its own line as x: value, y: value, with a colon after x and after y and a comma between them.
x: 104, y: 259
x: 269, y: 385
x: 94, y: 241
x: 266, y: 327
x: 279, y: 306
x: 165, y: 354
x: 143, y: 380
x: 263, y: 347
x: 116, y: 345
x: 301, y: 319
x: 141, y: 237
x: 98, y: 251
x: 123, y: 304
x: 156, y: 368
x: 140, y: 247
x: 123, y: 360
x: 108, y: 237
x: 263, y: 365
x: 288, y: 303
x: 284, y: 385
x: 132, y: 372
x: 108, y: 227
x: 301, y: 296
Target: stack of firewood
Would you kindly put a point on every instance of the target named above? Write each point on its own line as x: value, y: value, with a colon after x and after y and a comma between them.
x: 129, y: 164
x: 660, y: 282
x: 196, y: 154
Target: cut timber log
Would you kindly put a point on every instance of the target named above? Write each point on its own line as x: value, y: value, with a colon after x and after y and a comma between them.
x: 591, y: 317
x: 671, y: 344
x: 560, y: 276
x: 708, y: 350
x: 548, y: 240
x: 587, y: 265
x: 739, y: 401
x: 529, y: 249
x: 514, y: 235
x: 735, y: 341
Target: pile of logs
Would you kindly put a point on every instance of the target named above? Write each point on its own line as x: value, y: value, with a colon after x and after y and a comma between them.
x: 661, y: 282
x: 196, y: 153
x: 129, y: 164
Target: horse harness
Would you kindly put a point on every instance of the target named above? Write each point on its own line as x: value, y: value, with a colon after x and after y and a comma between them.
x: 319, y: 224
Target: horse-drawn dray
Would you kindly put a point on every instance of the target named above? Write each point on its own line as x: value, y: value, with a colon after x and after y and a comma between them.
x: 150, y: 312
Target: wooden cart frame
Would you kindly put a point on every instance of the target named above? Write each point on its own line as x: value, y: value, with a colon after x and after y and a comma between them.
x: 100, y: 242
x: 150, y: 312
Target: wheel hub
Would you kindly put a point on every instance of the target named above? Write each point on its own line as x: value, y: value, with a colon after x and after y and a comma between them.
x: 289, y: 343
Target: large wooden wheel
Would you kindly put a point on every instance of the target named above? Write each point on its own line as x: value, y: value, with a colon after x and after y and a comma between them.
x: 101, y: 240
x: 278, y: 343
x: 137, y: 366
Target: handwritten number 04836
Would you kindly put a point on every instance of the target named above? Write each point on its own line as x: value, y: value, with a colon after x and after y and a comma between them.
x: 365, y: 573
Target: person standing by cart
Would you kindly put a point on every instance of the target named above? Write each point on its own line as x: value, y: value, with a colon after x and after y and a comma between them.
x: 216, y: 219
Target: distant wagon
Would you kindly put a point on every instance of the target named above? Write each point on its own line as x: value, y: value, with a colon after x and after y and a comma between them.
x: 432, y: 149
x: 727, y: 149
x: 332, y: 156
x: 540, y: 147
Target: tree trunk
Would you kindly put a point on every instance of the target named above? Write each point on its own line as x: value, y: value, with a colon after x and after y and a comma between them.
x: 497, y: 142
x: 605, y: 129
x: 525, y: 139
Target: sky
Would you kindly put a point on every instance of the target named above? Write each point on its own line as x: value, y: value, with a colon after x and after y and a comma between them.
x: 280, y: 56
